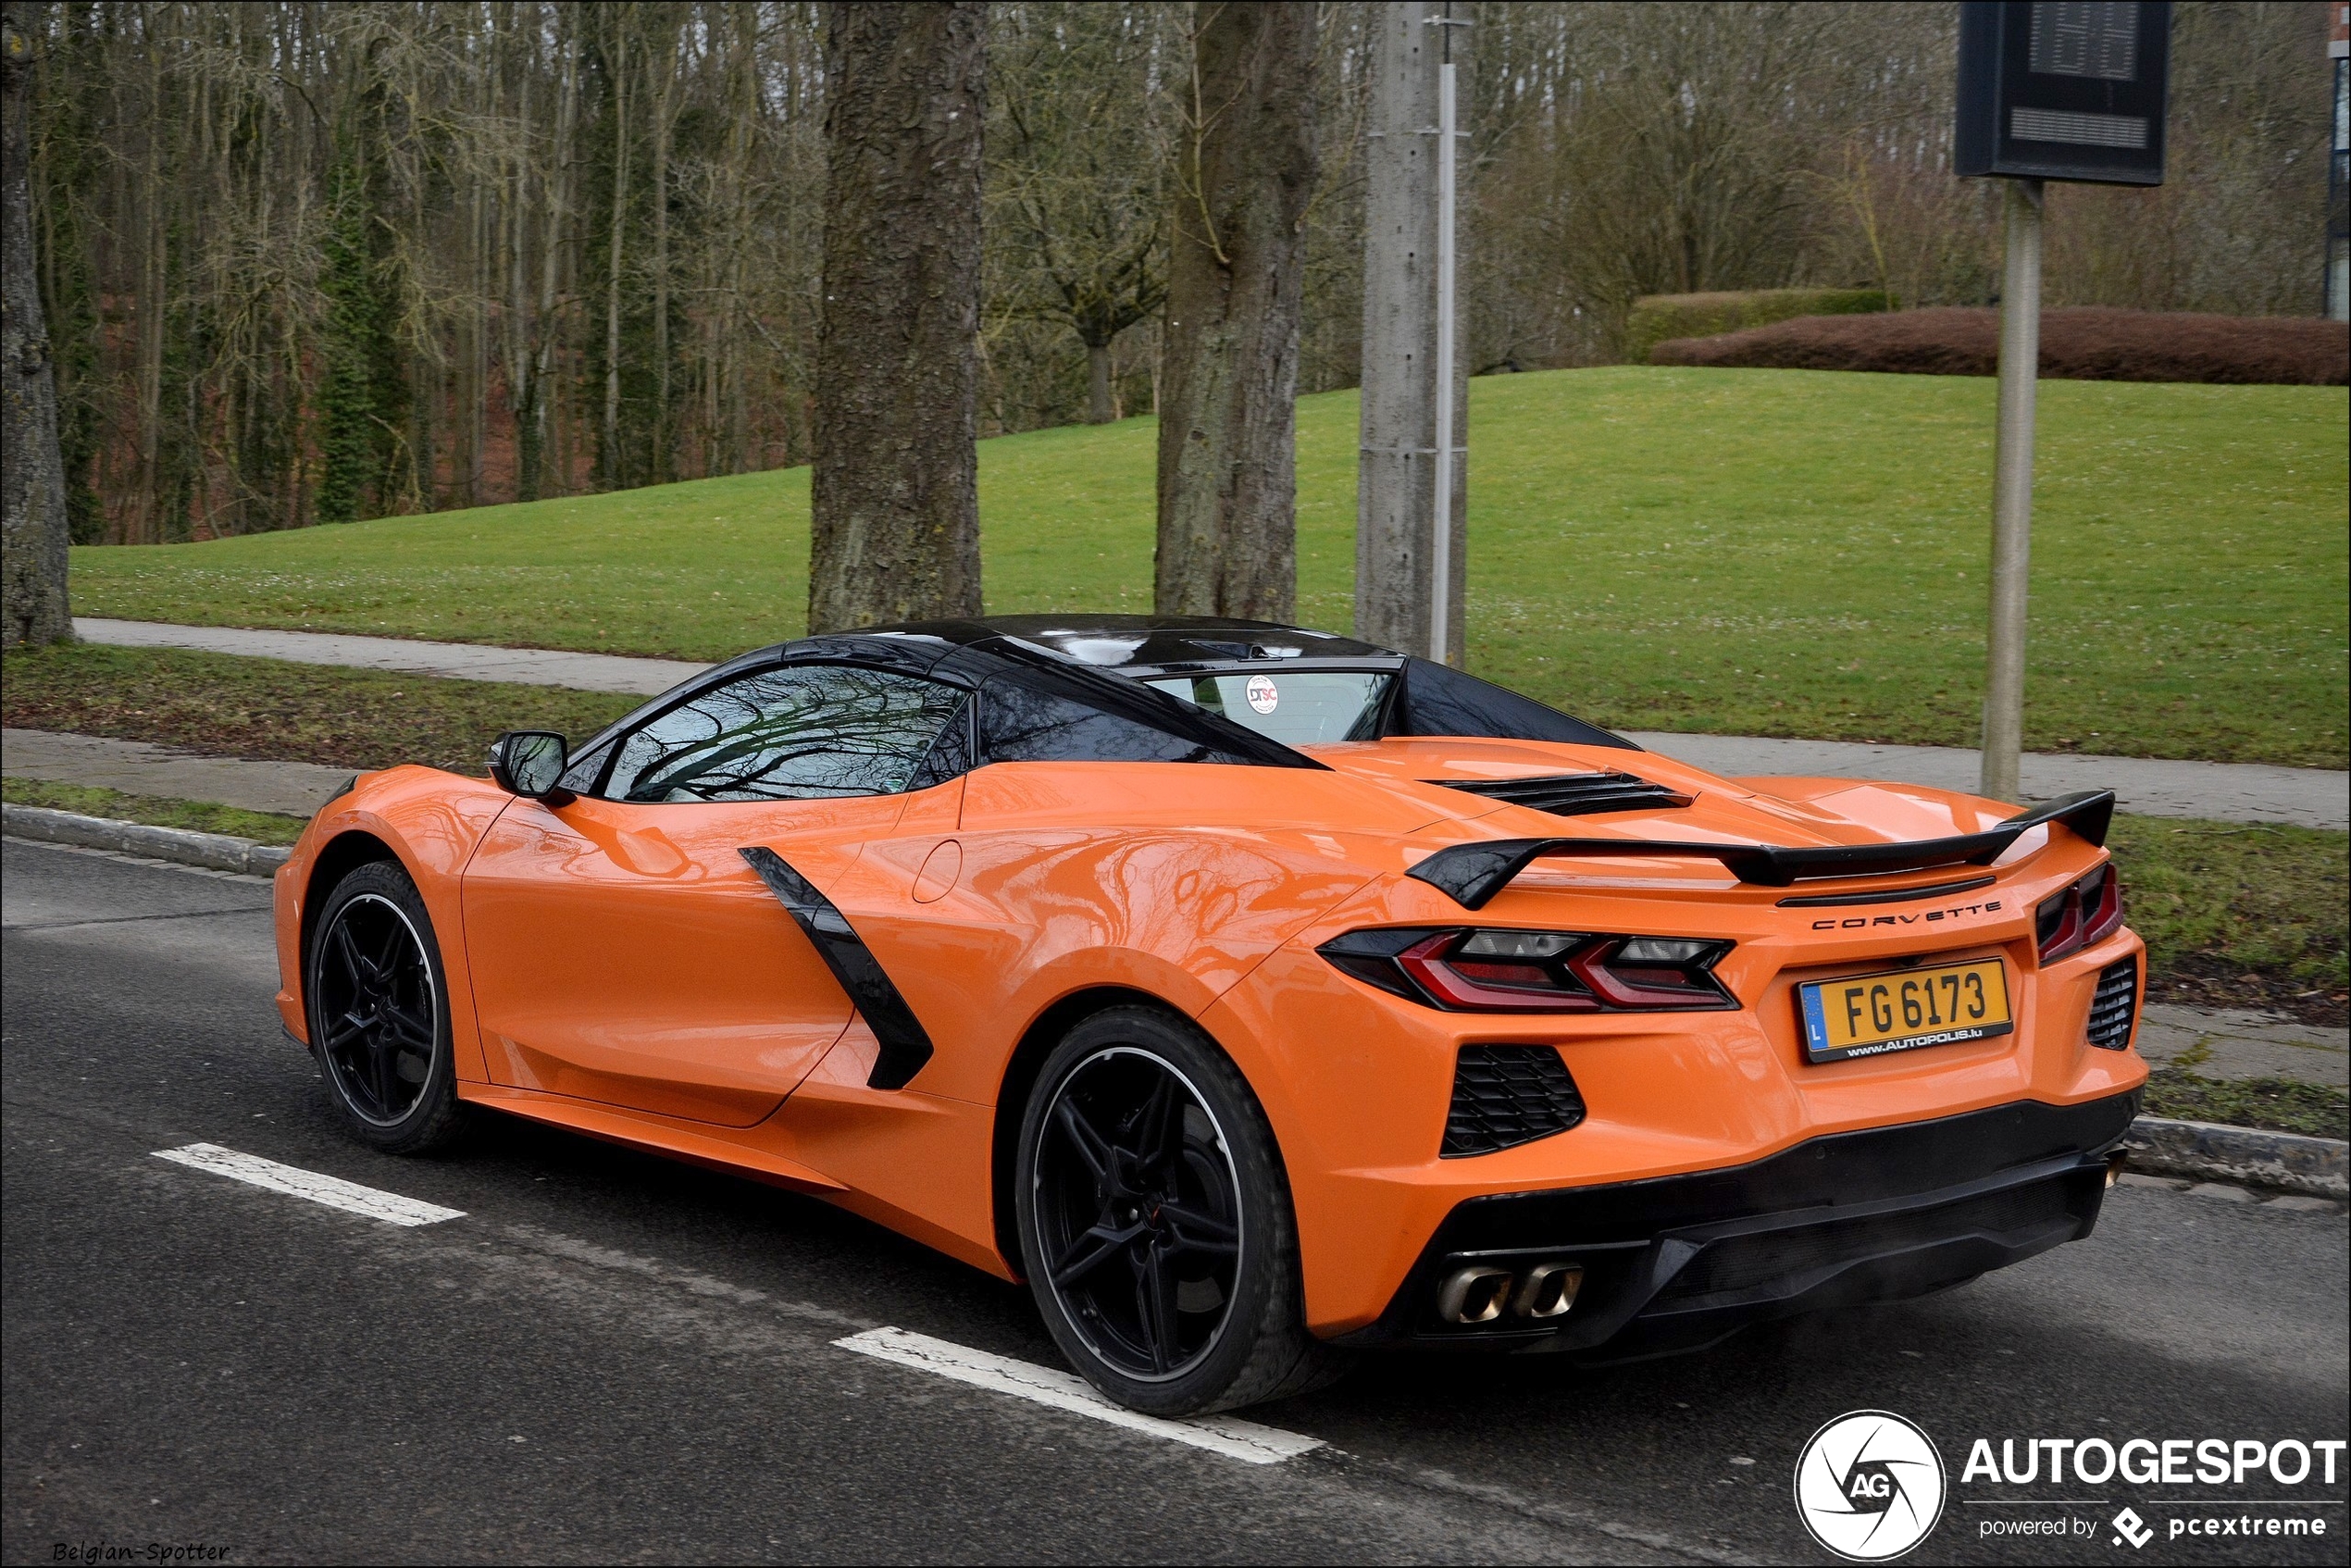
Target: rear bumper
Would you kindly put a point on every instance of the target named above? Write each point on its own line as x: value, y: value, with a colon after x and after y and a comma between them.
x: 1677, y: 1262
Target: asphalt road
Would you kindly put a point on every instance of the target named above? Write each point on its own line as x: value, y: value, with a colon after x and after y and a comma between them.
x: 612, y: 1357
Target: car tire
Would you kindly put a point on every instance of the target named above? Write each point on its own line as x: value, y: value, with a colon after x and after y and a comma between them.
x: 1142, y: 1152
x: 376, y: 1000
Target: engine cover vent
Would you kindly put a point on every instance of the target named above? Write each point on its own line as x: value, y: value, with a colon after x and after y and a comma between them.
x: 1509, y: 1094
x: 1572, y: 794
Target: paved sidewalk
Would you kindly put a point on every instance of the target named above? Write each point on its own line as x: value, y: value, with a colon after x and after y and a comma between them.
x: 2225, y: 791
x: 136, y: 768
x: 2230, y: 1044
x: 462, y: 661
x: 2307, y: 797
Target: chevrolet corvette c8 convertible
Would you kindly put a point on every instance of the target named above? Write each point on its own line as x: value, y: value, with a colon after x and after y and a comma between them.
x: 1255, y: 994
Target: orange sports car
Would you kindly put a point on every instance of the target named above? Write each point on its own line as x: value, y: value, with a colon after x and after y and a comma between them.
x: 1255, y: 994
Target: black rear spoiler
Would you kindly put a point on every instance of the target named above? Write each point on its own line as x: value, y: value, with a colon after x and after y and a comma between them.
x: 1472, y: 874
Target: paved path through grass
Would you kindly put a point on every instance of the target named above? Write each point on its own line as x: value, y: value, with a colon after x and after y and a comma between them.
x: 2219, y: 791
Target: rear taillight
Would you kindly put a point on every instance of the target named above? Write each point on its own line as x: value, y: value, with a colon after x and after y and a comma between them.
x: 2087, y: 911
x: 1495, y: 971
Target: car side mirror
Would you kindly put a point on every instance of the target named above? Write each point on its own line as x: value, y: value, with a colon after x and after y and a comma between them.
x: 531, y: 763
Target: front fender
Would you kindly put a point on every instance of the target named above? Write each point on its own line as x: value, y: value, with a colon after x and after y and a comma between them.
x: 430, y: 822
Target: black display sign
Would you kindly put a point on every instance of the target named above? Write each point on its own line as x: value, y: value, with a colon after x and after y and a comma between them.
x: 2063, y: 89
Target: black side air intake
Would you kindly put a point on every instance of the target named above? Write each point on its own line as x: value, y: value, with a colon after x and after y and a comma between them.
x: 905, y: 1044
x: 1505, y: 1095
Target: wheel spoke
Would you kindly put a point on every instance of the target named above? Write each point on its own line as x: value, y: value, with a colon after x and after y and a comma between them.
x: 1158, y: 1128
x: 355, y: 968
x: 341, y: 1032
x: 1091, y: 1146
x: 382, y: 1072
x: 1090, y: 1251
x: 1155, y: 1296
x: 1190, y: 1230
x: 412, y: 1032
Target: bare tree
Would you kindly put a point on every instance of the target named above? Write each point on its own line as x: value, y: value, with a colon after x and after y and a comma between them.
x: 1227, y: 458
x: 894, y: 497
x: 1078, y: 164
x: 33, y: 608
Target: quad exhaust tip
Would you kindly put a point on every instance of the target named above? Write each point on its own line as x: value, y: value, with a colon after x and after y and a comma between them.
x: 1482, y: 1293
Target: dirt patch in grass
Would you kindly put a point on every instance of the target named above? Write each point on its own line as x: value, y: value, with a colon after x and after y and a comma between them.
x: 2240, y: 914
x: 161, y: 811
x: 2090, y: 343
x: 2277, y: 1104
x: 226, y: 705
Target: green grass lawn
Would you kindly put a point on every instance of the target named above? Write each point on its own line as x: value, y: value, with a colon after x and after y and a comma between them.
x: 230, y: 707
x: 1758, y: 551
x: 161, y: 811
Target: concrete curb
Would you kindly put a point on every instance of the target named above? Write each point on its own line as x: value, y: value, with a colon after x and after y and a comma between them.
x: 2210, y: 1151
x: 215, y: 851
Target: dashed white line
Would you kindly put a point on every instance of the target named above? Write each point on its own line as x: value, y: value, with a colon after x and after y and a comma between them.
x: 334, y: 1192
x: 1062, y: 1390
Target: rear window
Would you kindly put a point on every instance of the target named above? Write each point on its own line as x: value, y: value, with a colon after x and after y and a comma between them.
x: 1296, y: 707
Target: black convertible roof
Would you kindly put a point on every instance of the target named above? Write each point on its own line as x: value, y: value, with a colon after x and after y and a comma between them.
x: 1103, y: 659
x: 1132, y: 645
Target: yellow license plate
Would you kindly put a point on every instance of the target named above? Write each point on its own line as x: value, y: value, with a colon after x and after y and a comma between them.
x: 1869, y: 1014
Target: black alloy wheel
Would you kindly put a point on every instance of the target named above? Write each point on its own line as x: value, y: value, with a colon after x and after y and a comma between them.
x: 1155, y: 1222
x: 1138, y: 1211
x: 378, y: 1024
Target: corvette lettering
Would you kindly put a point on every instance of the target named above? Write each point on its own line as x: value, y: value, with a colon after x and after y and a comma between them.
x: 1860, y: 921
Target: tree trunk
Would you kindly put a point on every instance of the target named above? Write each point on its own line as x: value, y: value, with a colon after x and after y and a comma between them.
x: 32, y: 473
x: 664, y: 108
x: 1098, y: 406
x: 895, y: 487
x: 1227, y: 470
x: 610, y: 445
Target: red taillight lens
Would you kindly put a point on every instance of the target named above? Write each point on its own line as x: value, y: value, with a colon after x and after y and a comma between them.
x: 2089, y: 911
x: 1495, y: 971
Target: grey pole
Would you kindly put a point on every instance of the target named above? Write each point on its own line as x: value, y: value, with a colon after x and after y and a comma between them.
x: 2012, y: 493
x: 1443, y: 624
x: 1396, y: 524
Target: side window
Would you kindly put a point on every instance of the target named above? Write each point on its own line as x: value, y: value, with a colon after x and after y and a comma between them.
x: 803, y: 732
x: 1024, y: 721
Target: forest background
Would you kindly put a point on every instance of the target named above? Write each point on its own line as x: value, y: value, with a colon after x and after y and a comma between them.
x: 307, y: 262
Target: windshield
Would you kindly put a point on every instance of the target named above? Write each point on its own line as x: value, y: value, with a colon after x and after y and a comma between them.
x: 1297, y: 708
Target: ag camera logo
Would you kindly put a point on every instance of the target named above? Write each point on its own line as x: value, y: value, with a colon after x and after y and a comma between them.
x: 1870, y: 1486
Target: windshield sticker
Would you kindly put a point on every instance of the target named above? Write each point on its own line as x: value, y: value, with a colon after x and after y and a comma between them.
x: 1262, y: 694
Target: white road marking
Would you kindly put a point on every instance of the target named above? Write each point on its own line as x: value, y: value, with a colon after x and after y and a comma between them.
x: 334, y: 1192
x: 1065, y: 1390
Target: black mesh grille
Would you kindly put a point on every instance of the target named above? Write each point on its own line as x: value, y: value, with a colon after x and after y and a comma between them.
x: 1742, y: 1263
x: 1574, y: 794
x: 1509, y: 1094
x: 2112, y: 1005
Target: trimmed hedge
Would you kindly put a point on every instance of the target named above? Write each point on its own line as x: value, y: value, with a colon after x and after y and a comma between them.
x: 2090, y: 343
x: 1657, y: 317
